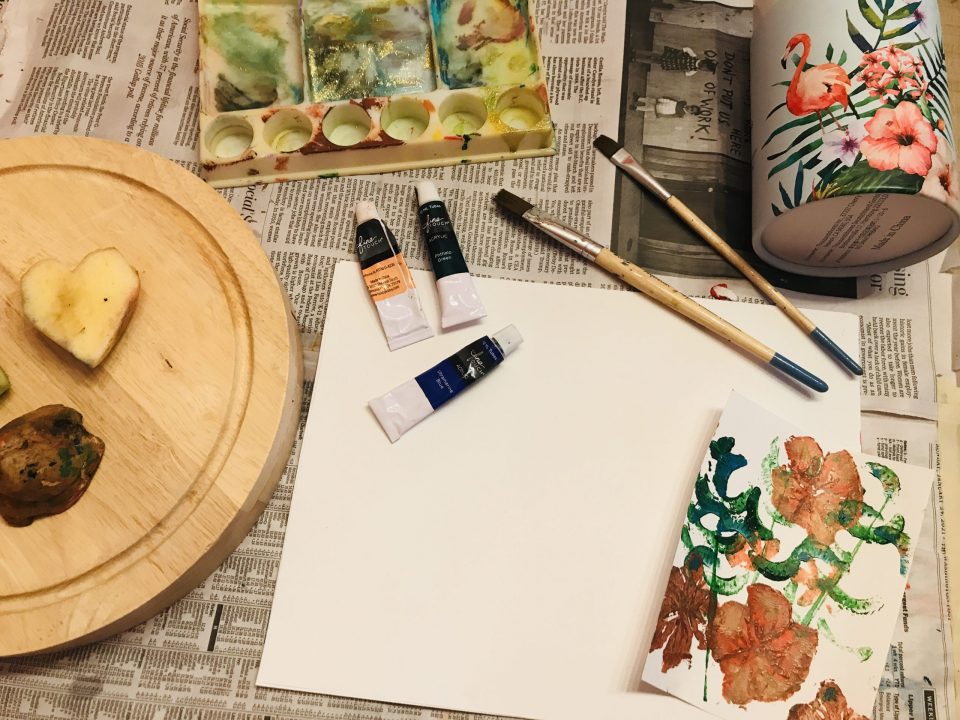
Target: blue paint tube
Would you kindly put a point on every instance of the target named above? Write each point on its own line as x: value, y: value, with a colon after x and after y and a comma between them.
x: 407, y: 404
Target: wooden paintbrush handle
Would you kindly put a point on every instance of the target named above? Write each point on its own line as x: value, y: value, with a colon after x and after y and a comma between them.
x: 734, y: 258
x: 646, y: 283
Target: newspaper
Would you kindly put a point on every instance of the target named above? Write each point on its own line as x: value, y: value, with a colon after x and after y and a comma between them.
x: 126, y: 70
x: 918, y: 678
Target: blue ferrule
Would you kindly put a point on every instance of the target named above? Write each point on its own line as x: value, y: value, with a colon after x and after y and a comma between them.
x: 798, y: 373
x: 831, y: 347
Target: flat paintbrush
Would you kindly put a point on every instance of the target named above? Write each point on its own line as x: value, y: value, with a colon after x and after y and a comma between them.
x: 626, y: 162
x: 657, y: 289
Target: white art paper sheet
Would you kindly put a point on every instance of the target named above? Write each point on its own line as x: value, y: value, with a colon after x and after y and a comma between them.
x: 789, y: 574
x: 508, y: 555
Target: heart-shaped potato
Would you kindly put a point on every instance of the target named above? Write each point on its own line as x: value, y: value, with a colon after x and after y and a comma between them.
x: 84, y: 310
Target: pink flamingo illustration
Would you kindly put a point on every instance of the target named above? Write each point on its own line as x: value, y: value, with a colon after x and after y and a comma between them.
x: 815, y: 89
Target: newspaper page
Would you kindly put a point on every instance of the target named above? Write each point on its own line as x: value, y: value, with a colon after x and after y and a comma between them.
x: 912, y: 684
x: 686, y: 116
x: 126, y: 70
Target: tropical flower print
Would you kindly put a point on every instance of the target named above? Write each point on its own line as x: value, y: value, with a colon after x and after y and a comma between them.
x: 885, y: 130
x: 942, y: 182
x: 830, y: 704
x: 683, y: 614
x: 764, y: 655
x: 900, y: 137
x: 845, y: 144
x: 823, y: 495
x: 892, y: 74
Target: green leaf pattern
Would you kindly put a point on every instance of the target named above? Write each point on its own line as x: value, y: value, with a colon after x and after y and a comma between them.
x: 721, y: 524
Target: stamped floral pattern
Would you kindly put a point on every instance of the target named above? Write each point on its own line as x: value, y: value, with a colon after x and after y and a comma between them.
x: 761, y: 565
x: 763, y: 654
x: 830, y: 704
x: 683, y: 615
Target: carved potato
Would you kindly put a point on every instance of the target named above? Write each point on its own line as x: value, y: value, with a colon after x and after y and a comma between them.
x: 84, y: 310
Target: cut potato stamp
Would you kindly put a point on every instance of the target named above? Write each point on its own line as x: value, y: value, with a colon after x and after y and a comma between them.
x: 84, y: 310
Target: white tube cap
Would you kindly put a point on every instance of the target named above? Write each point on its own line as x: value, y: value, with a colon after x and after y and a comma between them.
x: 365, y: 211
x: 426, y: 192
x: 508, y: 339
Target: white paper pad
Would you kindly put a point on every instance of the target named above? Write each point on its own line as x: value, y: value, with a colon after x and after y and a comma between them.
x: 509, y: 554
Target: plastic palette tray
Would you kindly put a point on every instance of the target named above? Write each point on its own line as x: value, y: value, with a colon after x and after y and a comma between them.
x: 320, y: 88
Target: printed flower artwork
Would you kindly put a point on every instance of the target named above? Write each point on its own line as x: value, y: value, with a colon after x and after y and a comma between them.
x: 830, y: 704
x: 872, y: 118
x: 683, y: 615
x: 788, y: 576
x: 808, y: 578
x: 821, y: 494
x: 766, y: 549
x: 763, y: 654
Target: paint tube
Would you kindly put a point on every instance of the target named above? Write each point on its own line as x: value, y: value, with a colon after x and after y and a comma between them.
x: 407, y: 404
x: 389, y: 281
x: 459, y: 302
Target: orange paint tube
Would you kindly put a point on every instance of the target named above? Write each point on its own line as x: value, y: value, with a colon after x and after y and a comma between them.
x: 389, y: 281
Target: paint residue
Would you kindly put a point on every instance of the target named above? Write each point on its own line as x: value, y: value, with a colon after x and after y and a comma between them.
x: 365, y: 48
x: 484, y: 43
x: 251, y: 55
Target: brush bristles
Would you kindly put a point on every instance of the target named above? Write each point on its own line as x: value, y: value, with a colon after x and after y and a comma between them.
x: 608, y: 146
x: 510, y: 202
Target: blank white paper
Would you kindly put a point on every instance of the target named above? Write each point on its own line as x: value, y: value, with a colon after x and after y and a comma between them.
x: 509, y: 554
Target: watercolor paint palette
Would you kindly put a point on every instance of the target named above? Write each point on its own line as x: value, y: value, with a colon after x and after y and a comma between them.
x: 319, y: 88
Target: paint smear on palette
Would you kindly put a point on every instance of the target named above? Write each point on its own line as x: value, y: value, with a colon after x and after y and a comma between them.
x: 251, y: 54
x: 787, y: 579
x: 483, y: 42
x: 367, y: 48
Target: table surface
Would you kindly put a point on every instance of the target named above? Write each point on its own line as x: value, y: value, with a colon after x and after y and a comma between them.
x: 72, y: 679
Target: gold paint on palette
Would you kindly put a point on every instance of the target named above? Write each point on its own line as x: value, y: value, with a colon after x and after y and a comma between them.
x: 461, y: 84
x: 367, y: 49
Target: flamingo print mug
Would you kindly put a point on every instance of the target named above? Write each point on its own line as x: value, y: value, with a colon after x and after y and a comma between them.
x: 854, y: 154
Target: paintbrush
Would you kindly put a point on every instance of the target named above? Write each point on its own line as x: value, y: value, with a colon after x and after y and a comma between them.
x: 652, y: 287
x: 626, y: 162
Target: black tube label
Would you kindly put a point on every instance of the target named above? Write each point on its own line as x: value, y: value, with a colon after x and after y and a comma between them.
x: 443, y: 381
x: 375, y: 243
x: 445, y: 253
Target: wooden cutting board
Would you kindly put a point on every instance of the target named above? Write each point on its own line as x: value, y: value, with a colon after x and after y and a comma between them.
x: 198, y: 404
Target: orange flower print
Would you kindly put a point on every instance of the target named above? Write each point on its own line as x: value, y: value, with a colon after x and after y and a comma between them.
x: 808, y: 578
x: 740, y: 557
x: 823, y: 495
x: 762, y: 653
x: 900, y: 137
x: 683, y: 614
x: 830, y: 704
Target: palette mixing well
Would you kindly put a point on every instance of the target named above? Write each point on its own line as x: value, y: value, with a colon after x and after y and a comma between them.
x: 320, y: 88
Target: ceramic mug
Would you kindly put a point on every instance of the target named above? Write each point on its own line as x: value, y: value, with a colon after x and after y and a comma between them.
x: 854, y: 154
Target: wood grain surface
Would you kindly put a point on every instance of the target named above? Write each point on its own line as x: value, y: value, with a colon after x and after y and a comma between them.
x: 198, y: 404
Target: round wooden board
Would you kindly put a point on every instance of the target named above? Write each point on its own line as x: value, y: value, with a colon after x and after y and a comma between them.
x: 198, y: 403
